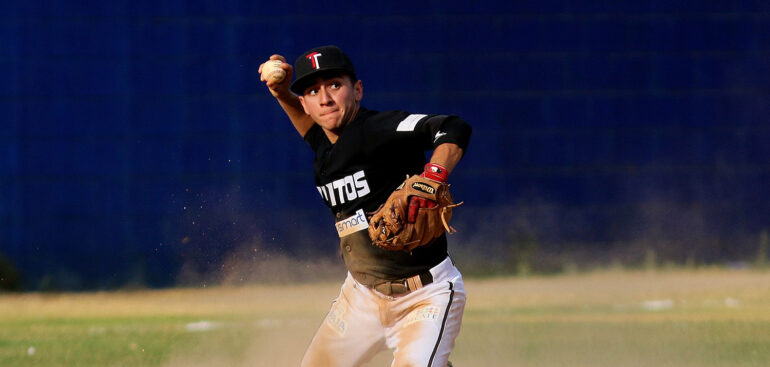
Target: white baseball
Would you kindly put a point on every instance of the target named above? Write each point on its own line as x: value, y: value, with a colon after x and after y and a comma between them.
x: 272, y: 71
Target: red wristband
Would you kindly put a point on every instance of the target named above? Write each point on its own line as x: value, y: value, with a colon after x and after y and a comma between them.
x: 435, y: 172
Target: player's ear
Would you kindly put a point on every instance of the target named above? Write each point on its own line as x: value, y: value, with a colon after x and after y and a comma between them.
x: 358, y: 88
x: 302, y: 102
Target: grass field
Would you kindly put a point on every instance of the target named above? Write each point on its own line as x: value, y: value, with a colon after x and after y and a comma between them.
x: 669, y: 318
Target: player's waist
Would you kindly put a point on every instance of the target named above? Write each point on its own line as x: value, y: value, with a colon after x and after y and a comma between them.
x: 406, y: 285
x: 443, y: 270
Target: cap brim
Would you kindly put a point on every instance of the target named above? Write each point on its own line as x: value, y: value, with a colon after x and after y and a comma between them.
x: 299, y: 85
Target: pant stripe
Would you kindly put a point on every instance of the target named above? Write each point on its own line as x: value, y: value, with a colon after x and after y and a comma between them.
x: 443, y: 323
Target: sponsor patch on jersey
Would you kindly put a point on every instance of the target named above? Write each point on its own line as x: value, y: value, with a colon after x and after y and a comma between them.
x: 336, y: 318
x: 354, y: 223
x: 419, y: 186
x: 427, y: 313
x: 409, y: 122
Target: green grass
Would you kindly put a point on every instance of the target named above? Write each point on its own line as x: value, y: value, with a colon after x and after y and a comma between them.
x: 673, y: 318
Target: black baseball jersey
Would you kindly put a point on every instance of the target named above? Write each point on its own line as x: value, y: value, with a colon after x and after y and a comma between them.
x: 372, y: 156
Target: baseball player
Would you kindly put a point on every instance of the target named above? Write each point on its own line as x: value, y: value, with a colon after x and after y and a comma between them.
x: 410, y: 300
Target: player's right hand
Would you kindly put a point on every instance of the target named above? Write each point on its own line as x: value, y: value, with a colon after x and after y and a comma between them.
x: 281, y: 89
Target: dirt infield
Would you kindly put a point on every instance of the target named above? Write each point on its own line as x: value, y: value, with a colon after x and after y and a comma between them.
x: 711, y: 317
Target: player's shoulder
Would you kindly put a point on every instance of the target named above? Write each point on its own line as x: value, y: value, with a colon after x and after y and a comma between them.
x: 393, y: 117
x: 375, y: 115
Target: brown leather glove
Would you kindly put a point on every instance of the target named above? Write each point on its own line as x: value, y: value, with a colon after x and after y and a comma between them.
x: 414, y: 215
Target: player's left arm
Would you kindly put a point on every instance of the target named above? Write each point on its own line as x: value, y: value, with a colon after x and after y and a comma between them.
x: 401, y: 223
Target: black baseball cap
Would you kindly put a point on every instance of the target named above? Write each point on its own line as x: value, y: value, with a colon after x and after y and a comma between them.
x: 319, y: 61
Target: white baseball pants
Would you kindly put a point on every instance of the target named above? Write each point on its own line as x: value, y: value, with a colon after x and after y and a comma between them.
x: 420, y: 327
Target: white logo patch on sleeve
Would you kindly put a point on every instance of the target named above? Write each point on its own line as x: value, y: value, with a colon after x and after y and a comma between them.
x: 409, y: 122
x: 354, y: 223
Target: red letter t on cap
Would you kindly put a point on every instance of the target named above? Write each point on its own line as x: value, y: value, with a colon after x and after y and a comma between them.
x: 313, y: 56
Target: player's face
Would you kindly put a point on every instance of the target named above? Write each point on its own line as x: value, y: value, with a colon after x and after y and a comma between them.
x: 332, y: 102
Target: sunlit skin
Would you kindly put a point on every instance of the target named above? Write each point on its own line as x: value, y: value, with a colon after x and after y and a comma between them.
x: 332, y: 102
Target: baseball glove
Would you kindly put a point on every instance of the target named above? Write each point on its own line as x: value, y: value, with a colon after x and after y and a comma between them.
x: 415, y: 214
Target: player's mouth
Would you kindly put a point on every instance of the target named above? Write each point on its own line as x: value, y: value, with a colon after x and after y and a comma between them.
x: 324, y: 114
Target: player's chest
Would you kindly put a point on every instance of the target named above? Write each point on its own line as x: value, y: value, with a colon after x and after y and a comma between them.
x: 341, y: 175
x: 348, y: 173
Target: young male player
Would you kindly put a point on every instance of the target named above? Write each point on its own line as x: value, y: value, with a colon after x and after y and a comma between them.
x: 408, y: 301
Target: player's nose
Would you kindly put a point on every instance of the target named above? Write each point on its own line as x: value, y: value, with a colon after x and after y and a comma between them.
x: 323, y: 96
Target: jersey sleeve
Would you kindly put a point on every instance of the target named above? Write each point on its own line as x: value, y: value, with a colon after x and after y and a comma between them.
x: 440, y: 129
x: 433, y: 130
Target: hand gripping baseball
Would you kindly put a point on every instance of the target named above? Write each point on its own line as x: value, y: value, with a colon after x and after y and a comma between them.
x: 415, y: 214
x: 276, y: 73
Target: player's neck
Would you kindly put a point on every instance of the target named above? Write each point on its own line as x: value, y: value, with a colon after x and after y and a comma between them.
x: 333, y: 135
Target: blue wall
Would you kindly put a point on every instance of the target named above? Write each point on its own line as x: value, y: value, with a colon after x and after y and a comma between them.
x: 136, y: 138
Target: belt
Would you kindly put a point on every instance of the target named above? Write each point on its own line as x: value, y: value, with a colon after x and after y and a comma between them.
x: 406, y: 285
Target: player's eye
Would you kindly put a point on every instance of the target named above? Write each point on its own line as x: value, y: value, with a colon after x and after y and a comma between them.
x: 336, y: 85
x: 312, y: 92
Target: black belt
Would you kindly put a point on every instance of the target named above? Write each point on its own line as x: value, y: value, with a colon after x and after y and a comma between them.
x: 406, y: 285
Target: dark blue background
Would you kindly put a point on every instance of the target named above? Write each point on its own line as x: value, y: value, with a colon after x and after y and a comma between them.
x: 136, y: 138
